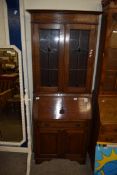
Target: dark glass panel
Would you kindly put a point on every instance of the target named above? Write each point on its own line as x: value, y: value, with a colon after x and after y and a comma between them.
x: 49, y: 56
x: 75, y: 76
x: 79, y: 49
x: 49, y: 77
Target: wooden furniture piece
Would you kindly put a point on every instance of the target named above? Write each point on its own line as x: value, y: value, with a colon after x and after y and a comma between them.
x: 8, y: 81
x: 62, y: 127
x: 108, y: 83
x: 105, y: 91
x: 4, y: 96
x: 63, y: 45
x: 63, y: 51
x: 7, y: 86
x: 108, y: 119
x: 8, y: 61
x: 107, y: 98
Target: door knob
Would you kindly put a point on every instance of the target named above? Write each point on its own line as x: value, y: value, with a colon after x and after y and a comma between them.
x: 36, y: 97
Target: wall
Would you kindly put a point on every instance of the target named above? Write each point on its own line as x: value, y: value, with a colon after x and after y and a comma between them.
x: 4, y: 36
x: 93, y: 5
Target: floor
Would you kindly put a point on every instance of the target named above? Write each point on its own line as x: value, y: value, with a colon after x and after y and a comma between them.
x: 15, y: 164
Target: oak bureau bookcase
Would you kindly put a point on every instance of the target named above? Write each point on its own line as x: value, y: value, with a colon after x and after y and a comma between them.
x: 63, y: 45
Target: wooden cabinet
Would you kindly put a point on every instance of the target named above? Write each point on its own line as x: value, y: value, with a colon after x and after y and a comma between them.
x: 63, y: 135
x: 108, y: 119
x: 62, y: 142
x: 108, y: 83
x: 63, y: 46
x: 107, y: 96
x: 63, y: 51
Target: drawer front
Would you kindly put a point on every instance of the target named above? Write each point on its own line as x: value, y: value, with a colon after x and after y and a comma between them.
x: 112, y: 138
x: 109, y: 128
x: 77, y: 125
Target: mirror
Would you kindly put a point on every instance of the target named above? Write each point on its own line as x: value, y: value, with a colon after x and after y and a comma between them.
x: 12, y: 119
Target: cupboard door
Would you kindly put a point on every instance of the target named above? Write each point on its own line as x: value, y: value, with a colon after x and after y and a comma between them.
x: 48, y: 57
x: 48, y: 145
x: 68, y: 143
x: 76, y: 144
x: 79, y: 57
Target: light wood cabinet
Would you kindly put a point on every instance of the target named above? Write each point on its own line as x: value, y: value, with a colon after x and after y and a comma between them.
x: 107, y: 96
x: 108, y: 119
x: 108, y: 83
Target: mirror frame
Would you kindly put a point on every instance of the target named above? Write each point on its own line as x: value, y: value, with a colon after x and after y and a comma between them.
x: 23, y: 118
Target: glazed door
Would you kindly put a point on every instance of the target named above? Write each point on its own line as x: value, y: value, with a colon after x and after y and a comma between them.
x: 79, y: 57
x: 48, y: 47
x: 109, y: 70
